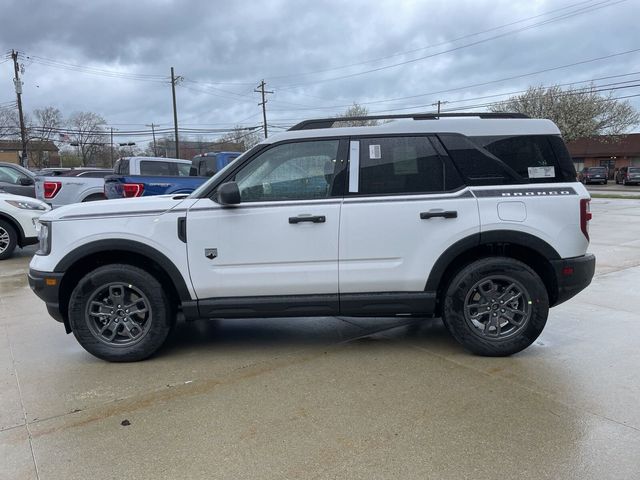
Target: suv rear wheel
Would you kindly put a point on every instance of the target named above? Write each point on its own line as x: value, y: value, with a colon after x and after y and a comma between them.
x: 119, y: 313
x: 8, y: 239
x: 496, y: 306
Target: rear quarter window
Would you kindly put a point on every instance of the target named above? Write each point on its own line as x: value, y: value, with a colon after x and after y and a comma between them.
x: 535, y: 158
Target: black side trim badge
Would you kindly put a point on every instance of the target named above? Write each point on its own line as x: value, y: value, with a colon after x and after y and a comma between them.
x: 526, y: 192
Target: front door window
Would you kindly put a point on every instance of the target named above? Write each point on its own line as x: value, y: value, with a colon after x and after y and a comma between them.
x: 291, y: 171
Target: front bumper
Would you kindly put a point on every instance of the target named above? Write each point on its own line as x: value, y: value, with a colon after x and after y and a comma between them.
x: 573, y: 275
x: 46, y: 285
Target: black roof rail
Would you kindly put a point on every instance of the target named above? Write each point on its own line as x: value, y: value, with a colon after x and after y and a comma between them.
x: 329, y: 122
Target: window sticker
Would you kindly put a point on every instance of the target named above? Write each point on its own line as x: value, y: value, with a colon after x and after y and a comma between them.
x: 542, y: 172
x: 375, y: 152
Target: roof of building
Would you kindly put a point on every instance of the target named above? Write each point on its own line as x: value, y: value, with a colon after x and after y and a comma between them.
x: 606, y: 146
x: 33, y: 145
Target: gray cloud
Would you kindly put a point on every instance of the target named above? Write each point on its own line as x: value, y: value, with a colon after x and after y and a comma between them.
x: 223, y: 49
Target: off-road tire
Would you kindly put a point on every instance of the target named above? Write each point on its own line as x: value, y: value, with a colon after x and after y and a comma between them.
x: 161, y: 314
x: 506, y: 269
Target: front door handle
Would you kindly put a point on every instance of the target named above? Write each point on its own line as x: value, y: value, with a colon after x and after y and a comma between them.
x: 443, y: 214
x: 308, y: 218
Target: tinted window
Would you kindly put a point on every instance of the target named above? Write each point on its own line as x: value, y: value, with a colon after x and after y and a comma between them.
x: 478, y: 167
x: 162, y: 169
x: 596, y: 169
x: 533, y: 157
x: 292, y: 171
x: 634, y: 170
x: 121, y: 167
x: 403, y: 165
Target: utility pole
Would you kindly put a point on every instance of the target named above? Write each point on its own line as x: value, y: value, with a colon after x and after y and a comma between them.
x: 153, y: 132
x: 438, y: 103
x: 112, y: 147
x: 18, y: 84
x: 260, y: 89
x: 174, y: 80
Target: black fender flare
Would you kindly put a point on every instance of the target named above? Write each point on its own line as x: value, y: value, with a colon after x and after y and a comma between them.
x: 486, y: 238
x: 130, y: 246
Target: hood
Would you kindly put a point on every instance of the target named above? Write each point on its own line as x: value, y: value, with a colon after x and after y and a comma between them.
x: 114, y: 208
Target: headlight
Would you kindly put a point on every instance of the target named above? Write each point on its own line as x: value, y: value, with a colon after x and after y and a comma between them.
x: 44, y: 238
x: 25, y: 205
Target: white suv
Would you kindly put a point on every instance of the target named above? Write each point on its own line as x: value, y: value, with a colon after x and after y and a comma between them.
x: 18, y: 222
x: 477, y: 219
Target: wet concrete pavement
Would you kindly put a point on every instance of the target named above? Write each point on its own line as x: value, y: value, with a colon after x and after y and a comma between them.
x: 334, y: 397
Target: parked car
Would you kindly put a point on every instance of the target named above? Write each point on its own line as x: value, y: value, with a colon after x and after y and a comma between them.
x: 208, y: 164
x: 18, y: 222
x: 146, y: 176
x: 628, y: 176
x: 478, y: 220
x: 17, y: 180
x: 78, y: 185
x: 593, y: 175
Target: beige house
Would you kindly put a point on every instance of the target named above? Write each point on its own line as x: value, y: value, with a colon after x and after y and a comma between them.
x: 41, y: 154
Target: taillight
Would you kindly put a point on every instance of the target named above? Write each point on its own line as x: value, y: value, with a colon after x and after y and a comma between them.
x: 585, y: 216
x: 132, y: 189
x: 51, y: 189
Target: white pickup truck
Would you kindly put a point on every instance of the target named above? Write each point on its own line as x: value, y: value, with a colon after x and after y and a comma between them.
x: 74, y: 186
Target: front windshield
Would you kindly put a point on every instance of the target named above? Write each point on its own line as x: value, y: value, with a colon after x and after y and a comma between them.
x: 197, y: 193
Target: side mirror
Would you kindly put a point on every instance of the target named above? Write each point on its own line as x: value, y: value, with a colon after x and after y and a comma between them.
x: 26, y: 181
x: 228, y: 194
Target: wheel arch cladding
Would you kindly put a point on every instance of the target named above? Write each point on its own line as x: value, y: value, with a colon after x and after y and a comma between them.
x: 81, y: 261
x: 531, y: 250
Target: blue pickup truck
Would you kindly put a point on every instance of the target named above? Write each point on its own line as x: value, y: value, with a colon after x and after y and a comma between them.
x: 145, y: 176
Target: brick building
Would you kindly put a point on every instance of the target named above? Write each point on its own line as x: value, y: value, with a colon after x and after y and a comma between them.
x: 611, y: 151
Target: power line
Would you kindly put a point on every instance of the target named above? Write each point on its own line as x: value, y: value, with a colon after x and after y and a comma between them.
x: 491, y: 82
x: 588, y: 9
x: 427, y: 47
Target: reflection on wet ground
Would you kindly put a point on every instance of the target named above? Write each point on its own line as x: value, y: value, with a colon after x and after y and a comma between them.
x: 333, y: 397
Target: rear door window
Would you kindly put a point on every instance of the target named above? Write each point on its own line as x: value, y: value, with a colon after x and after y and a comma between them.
x: 404, y: 165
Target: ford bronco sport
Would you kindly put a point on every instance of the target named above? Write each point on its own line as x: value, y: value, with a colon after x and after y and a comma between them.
x: 476, y: 218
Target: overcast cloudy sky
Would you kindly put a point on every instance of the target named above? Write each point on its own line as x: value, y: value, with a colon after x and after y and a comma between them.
x: 113, y: 57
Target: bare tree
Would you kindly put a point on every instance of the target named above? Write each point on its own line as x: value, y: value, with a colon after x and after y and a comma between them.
x: 44, y: 127
x: 88, y: 134
x: 9, y: 123
x: 355, y: 110
x: 578, y: 113
x: 248, y: 138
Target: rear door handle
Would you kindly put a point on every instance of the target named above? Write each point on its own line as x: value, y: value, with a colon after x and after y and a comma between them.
x: 308, y: 218
x: 444, y: 214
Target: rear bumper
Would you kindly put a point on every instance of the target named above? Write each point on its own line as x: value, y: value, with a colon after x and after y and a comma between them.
x: 46, y: 285
x: 573, y: 275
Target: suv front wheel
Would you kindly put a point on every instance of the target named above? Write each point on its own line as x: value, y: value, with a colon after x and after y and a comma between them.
x: 496, y: 306
x: 120, y: 313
